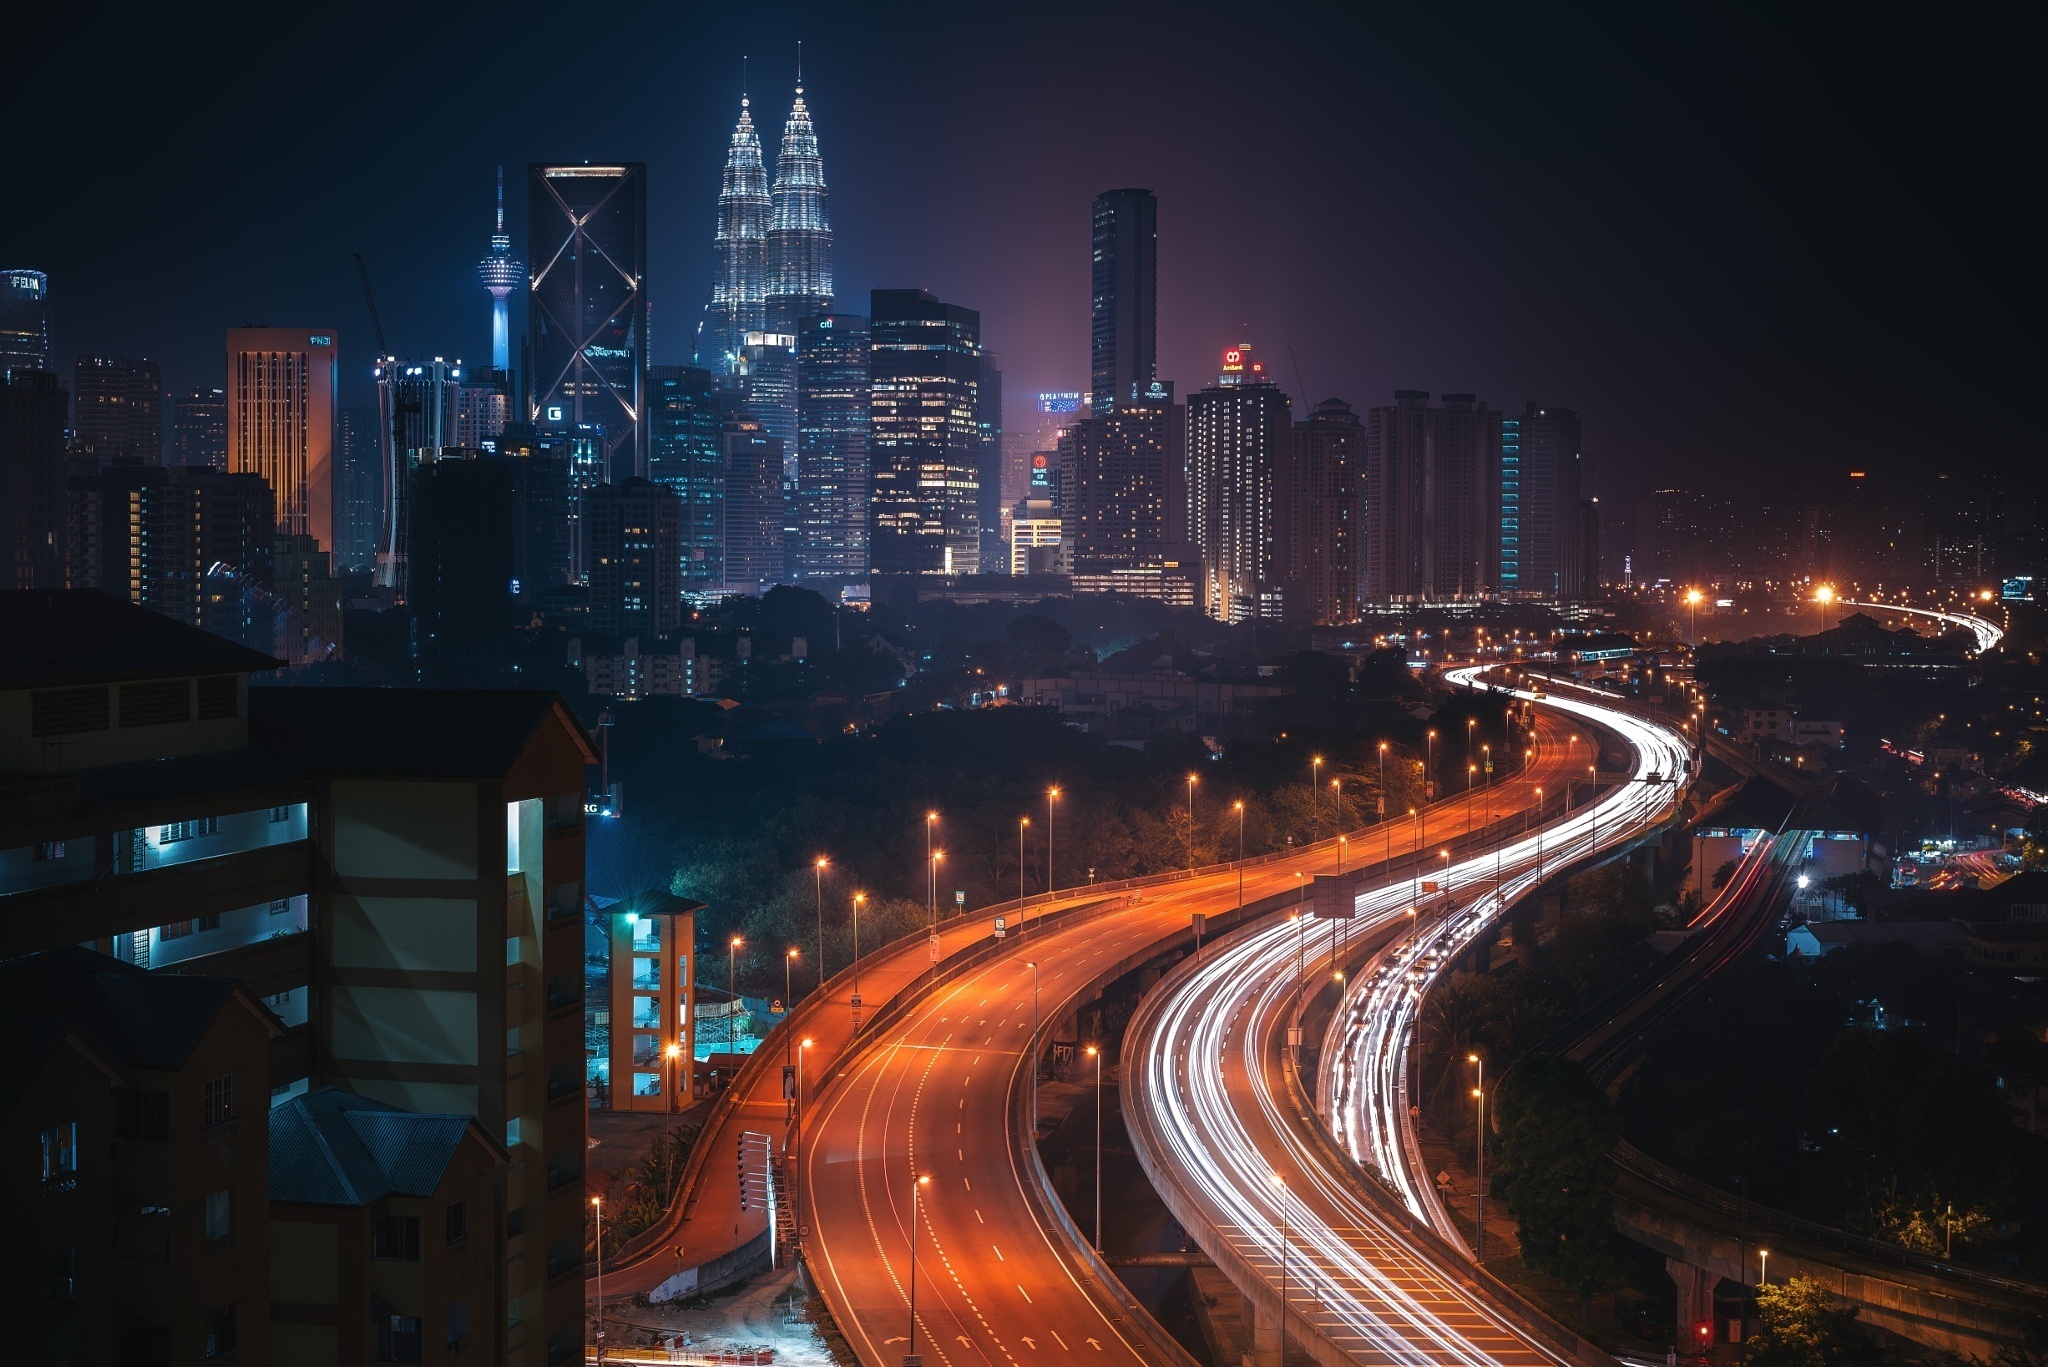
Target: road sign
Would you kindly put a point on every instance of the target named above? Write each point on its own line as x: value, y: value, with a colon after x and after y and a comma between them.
x: 1002, y: 926
x: 803, y: 1231
x: 856, y: 1001
x: 775, y: 1007
x: 935, y: 948
x: 959, y: 897
x: 1201, y: 922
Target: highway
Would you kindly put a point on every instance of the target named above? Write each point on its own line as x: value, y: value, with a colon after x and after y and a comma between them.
x: 1219, y: 1123
x: 937, y: 1096
x: 1988, y: 634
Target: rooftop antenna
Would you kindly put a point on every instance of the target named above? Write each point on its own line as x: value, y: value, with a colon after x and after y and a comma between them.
x: 743, y: 80
x: 799, y: 66
x: 501, y: 199
x: 1297, y: 376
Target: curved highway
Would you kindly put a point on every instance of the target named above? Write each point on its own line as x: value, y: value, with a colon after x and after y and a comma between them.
x: 1988, y: 634
x: 1220, y: 1126
x: 998, y: 1278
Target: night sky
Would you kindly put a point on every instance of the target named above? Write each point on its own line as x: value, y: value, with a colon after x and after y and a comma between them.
x: 1750, y: 249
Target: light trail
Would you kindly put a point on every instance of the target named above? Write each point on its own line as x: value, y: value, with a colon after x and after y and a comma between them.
x: 1215, y: 1132
x: 1988, y: 635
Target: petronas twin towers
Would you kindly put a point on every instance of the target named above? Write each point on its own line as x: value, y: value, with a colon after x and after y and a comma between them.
x: 774, y: 249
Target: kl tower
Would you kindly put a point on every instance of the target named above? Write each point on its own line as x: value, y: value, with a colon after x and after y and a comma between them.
x: 502, y: 273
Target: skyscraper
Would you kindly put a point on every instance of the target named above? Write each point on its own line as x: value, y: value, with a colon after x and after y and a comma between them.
x: 635, y: 531
x: 417, y: 406
x: 459, y: 559
x: 1237, y: 438
x: 753, y: 556
x: 684, y: 454
x: 1113, y: 488
x: 1123, y: 322
x: 766, y: 384
x: 739, y: 284
x: 33, y: 406
x: 925, y: 369
x: 199, y: 428
x: 1540, y: 544
x: 358, y: 489
x: 1433, y: 490
x: 988, y: 462
x: 1319, y: 516
x: 832, y: 446
x: 24, y: 321
x: 799, y: 229
x: 502, y: 273
x: 587, y: 308
x: 281, y: 401
x: 120, y: 405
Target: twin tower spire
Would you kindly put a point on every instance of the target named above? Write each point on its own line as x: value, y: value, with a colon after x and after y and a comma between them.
x: 774, y: 249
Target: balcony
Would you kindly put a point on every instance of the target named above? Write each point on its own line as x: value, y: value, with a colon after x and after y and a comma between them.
x: 56, y: 863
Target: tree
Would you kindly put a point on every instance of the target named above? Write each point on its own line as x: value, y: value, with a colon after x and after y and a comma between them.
x: 1037, y: 643
x: 1803, y: 1327
x: 1556, y: 1130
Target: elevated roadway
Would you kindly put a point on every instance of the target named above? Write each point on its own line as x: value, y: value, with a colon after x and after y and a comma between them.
x: 1987, y: 634
x: 943, y: 1093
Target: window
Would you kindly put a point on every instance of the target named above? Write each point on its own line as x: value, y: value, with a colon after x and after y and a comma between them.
x: 220, y: 1215
x: 278, y: 814
x: 178, y: 930
x: 60, y: 1151
x: 511, y: 950
x: 457, y: 1216
x: 219, y: 1100
x: 218, y: 697
x: 458, y: 1323
x: 398, y: 1338
x: 60, y: 1276
x: 512, y: 1133
x: 142, y: 1115
x: 280, y: 906
x: 511, y: 1041
x: 395, y: 1238
x: 187, y: 830
x: 220, y: 1330
x: 49, y: 851
x: 156, y: 702
x: 69, y: 711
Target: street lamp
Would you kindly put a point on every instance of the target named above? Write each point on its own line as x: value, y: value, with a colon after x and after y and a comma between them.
x: 858, y: 898
x: 1764, y: 1260
x: 732, y: 987
x: 1052, y: 795
x: 1032, y: 964
x: 1281, y: 1183
x: 1382, y: 802
x: 1315, y: 779
x: 1192, y: 780
x: 1239, y: 806
x: 789, y: 957
x: 675, y: 1054
x: 1471, y: 724
x: 1479, y: 1096
x: 1692, y: 599
x: 1096, y: 1054
x: 932, y: 890
x: 1337, y: 800
x: 1429, y: 765
x: 598, y: 1203
x: 1471, y: 777
x: 916, y: 1192
x: 1022, y: 822
x: 818, y: 881
x: 931, y: 908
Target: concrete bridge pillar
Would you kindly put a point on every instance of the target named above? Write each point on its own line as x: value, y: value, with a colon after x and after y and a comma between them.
x: 1266, y: 1336
x: 1695, y: 1297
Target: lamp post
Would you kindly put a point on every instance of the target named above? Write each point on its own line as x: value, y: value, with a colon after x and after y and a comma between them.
x: 1032, y: 964
x: 1191, y: 823
x: 931, y: 896
x: 788, y: 997
x: 732, y: 987
x: 916, y: 1193
x: 1764, y: 1262
x: 1281, y: 1183
x: 858, y: 898
x: 797, y: 1144
x: 1096, y: 1054
x: 1428, y: 766
x: 1240, y: 851
x: 1415, y: 861
x: 1692, y: 600
x: 598, y: 1203
x: 675, y: 1054
x: 1471, y: 777
x: 1337, y: 801
x: 931, y: 891
x: 1315, y: 808
x: 1539, y: 833
x: 1471, y: 725
x: 1593, y: 802
x: 818, y: 881
x: 1052, y: 795
x: 1479, y: 1096
x: 1383, y: 794
x: 1022, y: 822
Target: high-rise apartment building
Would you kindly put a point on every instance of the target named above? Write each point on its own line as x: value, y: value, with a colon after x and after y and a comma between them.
x: 501, y: 273
x: 1123, y: 308
x: 199, y: 428
x: 1238, y: 437
x: 417, y: 409
x: 281, y: 393
x: 1319, y: 515
x: 753, y: 556
x: 1540, y: 468
x: 459, y: 562
x: 196, y: 545
x: 636, y: 581
x: 685, y: 420
x: 925, y: 369
x: 358, y: 489
x: 799, y: 228
x: 988, y: 462
x: 739, y: 282
x: 33, y: 409
x: 1432, y: 496
x: 832, y: 446
x: 1591, y: 577
x: 587, y: 305
x: 1114, y: 499
x: 25, y: 321
x: 766, y: 385
x: 483, y: 405
x: 120, y: 408
x: 424, y: 848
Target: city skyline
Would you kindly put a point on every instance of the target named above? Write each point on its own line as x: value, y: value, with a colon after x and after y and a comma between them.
x: 1684, y: 284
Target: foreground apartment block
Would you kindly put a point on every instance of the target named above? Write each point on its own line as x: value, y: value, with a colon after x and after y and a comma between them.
x: 392, y: 879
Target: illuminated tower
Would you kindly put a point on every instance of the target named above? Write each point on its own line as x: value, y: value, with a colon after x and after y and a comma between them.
x: 800, y: 232
x: 739, y: 287
x: 502, y: 273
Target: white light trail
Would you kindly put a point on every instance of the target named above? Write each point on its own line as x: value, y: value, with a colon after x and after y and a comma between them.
x: 1988, y: 636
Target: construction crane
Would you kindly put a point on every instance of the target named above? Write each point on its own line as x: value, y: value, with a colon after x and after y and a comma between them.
x: 401, y: 405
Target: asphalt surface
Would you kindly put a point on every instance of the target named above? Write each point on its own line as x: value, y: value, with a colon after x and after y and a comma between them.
x: 931, y: 1101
